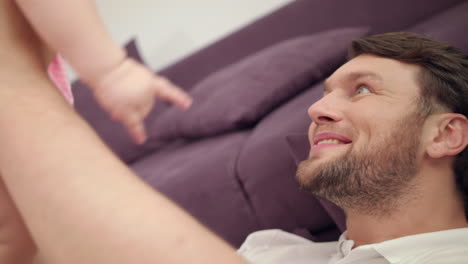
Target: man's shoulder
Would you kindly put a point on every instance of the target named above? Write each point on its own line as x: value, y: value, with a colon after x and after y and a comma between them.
x: 446, y: 246
x: 277, y: 237
x: 277, y: 245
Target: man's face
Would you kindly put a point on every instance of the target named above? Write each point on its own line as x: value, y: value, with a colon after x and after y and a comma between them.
x: 365, y: 135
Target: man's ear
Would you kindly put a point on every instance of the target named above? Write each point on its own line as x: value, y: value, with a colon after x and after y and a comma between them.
x: 450, y: 135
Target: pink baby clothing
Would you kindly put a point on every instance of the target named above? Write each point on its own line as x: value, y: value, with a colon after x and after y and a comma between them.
x: 58, y: 75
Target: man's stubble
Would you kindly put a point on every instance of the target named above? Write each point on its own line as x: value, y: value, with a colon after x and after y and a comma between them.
x: 373, y: 180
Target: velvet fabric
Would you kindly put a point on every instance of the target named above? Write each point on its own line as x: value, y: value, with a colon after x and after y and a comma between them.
x: 238, y: 96
x: 448, y: 26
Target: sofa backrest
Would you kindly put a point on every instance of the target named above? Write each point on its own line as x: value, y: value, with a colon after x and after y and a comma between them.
x: 298, y: 18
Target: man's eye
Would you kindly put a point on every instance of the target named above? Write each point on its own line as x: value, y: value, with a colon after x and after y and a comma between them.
x: 363, y: 90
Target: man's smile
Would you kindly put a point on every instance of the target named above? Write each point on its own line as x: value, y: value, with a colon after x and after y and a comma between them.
x: 328, y: 139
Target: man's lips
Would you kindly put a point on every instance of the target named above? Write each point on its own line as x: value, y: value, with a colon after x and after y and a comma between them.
x: 329, y: 139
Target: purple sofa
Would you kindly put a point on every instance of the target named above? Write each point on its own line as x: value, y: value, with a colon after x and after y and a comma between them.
x: 230, y: 160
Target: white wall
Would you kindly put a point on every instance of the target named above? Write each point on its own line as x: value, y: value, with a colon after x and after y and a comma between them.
x: 170, y: 29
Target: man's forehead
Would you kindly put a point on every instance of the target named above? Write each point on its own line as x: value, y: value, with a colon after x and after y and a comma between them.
x: 354, y: 75
x: 377, y: 69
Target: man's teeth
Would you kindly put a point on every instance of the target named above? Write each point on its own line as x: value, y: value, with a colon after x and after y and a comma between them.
x: 330, y: 141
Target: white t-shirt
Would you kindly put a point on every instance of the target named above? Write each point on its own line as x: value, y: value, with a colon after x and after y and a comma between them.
x: 279, y: 247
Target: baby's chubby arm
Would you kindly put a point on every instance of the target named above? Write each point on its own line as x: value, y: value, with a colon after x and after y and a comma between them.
x: 124, y: 88
x: 73, y: 28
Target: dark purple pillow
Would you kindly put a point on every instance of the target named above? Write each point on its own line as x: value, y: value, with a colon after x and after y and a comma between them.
x: 449, y: 26
x: 239, y: 95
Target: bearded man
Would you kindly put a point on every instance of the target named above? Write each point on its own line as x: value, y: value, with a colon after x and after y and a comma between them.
x: 388, y: 145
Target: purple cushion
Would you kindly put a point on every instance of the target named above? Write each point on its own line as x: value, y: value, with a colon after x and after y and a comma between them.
x: 239, y: 95
x: 449, y: 26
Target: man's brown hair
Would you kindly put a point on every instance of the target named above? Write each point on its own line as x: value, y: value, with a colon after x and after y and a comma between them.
x: 443, y: 79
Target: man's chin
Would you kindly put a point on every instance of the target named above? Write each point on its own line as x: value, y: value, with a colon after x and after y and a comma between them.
x: 306, y: 171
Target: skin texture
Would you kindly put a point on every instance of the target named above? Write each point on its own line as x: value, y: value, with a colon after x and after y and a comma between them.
x: 124, y: 88
x: 20, y: 51
x: 366, y: 100
x: 16, y: 245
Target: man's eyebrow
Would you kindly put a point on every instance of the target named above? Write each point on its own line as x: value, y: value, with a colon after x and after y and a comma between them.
x: 361, y: 74
x: 353, y: 76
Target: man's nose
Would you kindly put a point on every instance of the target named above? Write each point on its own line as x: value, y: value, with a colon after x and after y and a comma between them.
x: 324, y: 110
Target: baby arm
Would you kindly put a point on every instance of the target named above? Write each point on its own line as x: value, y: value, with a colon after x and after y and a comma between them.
x: 123, y: 87
x: 73, y: 28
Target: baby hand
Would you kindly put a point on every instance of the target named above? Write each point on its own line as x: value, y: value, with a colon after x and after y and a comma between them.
x: 128, y: 94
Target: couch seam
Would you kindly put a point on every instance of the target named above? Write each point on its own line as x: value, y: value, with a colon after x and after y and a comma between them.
x: 241, y: 184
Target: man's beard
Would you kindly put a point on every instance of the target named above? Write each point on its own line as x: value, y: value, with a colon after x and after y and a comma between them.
x: 372, y: 181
